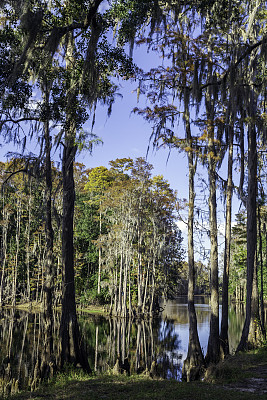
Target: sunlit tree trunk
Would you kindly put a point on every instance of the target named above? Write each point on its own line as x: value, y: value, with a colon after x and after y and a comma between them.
x: 124, y: 297
x: 213, y: 350
x: 139, y: 275
x: 145, y: 290
x: 129, y: 289
x: 28, y: 296
x: 99, y: 253
x: 261, y: 275
x: 194, y: 360
x: 152, y: 286
x: 15, y: 270
x: 119, y: 307
x: 4, y: 247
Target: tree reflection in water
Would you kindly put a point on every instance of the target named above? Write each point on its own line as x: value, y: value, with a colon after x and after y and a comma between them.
x: 23, y: 351
x: 151, y: 347
x: 135, y: 343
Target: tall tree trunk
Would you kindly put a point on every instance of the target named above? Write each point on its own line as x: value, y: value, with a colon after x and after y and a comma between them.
x: 129, y: 289
x: 71, y: 346
x: 261, y: 275
x: 251, y: 230
x: 119, y: 307
x: 152, y: 287
x: 47, y: 354
x: 99, y: 253
x: 213, y: 350
x: 194, y: 360
x: 28, y: 296
x: 224, y: 342
x: 145, y: 290
x: 139, y: 276
x: 255, y: 336
x: 15, y: 272
x: 3, y: 249
x: 124, y: 297
x: 49, y: 267
x: 71, y: 350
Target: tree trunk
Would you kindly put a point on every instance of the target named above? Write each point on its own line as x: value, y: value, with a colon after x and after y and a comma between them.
x: 152, y: 287
x: 194, y: 361
x: 129, y: 290
x: 15, y: 272
x: 261, y: 275
x: 49, y: 262
x: 28, y: 295
x: 71, y: 347
x: 213, y: 350
x: 145, y: 290
x: 224, y: 342
x: 139, y: 276
x: 251, y: 230
x: 99, y: 253
x: 3, y: 249
x: 124, y: 297
x: 255, y: 337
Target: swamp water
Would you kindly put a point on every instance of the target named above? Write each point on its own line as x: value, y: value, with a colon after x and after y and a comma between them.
x: 163, y: 339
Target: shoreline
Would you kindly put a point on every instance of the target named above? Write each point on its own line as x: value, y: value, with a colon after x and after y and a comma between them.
x: 240, y: 377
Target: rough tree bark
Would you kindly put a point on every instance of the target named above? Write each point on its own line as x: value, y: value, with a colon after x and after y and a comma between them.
x: 15, y: 269
x: 224, y: 342
x: 251, y: 230
x: 71, y: 345
x: 261, y: 275
x: 49, y: 262
x: 194, y: 361
x: 213, y: 350
x: 5, y: 223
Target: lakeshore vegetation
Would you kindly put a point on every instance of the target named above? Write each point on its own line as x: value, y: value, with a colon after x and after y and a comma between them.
x: 109, y: 236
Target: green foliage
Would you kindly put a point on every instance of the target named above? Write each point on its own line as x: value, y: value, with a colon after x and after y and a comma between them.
x: 91, y: 297
x: 141, y: 233
x: 237, y: 278
x: 238, y: 269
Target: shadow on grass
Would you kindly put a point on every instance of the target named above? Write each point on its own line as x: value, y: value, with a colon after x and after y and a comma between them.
x: 136, y: 387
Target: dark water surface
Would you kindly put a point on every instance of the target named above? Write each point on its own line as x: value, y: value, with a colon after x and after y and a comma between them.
x: 164, y: 340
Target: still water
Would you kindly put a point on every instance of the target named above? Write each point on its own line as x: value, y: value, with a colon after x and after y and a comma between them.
x: 164, y: 340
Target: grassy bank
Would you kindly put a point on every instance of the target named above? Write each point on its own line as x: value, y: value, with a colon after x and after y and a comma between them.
x: 224, y: 383
x: 38, y: 307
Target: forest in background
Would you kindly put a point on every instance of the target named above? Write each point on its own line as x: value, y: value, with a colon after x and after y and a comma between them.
x: 113, y: 231
x: 107, y: 203
x: 125, y: 226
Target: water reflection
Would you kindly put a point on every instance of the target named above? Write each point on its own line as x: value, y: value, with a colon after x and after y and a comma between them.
x: 147, y: 346
x: 177, y: 311
x: 152, y: 347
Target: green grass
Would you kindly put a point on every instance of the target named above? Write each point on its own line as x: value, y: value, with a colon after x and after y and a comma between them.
x: 238, y: 367
x: 93, y: 309
x: 76, y: 385
x: 121, y: 388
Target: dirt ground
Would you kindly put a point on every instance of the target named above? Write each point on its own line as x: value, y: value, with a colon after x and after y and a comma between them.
x: 256, y: 384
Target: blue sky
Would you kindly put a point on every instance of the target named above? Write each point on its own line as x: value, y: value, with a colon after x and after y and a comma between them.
x: 125, y: 134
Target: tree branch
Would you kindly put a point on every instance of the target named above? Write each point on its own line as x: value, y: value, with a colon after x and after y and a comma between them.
x: 62, y: 30
x: 235, y: 65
